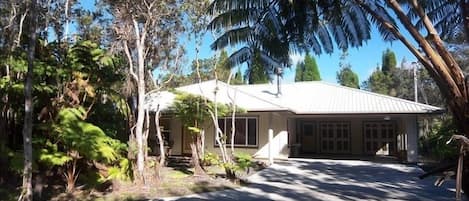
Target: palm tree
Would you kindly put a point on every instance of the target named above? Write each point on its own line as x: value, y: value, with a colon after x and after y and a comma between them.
x: 280, y: 27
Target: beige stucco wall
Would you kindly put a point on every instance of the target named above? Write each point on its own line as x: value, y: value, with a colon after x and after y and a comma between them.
x: 275, y: 120
x: 356, y: 127
x: 284, y: 125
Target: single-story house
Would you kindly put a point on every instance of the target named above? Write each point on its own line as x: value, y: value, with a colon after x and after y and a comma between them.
x: 305, y: 118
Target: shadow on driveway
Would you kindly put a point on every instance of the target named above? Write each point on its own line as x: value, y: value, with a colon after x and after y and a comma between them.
x: 324, y: 179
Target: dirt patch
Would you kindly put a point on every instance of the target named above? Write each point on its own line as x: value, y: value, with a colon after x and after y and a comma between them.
x: 174, y: 182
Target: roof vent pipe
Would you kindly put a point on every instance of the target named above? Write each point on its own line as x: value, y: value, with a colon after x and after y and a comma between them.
x: 278, y: 72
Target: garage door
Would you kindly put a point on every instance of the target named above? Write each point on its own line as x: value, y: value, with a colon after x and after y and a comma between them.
x: 335, y: 137
x: 380, y: 137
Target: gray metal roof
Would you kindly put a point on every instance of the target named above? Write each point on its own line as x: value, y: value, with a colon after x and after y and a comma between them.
x: 314, y: 97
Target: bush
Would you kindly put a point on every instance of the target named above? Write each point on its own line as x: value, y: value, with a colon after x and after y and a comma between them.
x: 435, y: 142
x: 243, y: 161
x: 210, y: 159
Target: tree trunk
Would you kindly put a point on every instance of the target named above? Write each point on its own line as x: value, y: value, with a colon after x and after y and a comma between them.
x: 198, y: 171
x: 27, y: 191
x: 140, y: 109
x: 160, y: 139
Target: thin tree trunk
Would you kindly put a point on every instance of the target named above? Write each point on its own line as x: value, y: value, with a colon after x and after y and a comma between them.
x: 160, y: 139
x: 27, y: 191
x: 140, y: 102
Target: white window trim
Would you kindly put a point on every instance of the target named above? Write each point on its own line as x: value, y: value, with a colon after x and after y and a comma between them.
x: 246, y: 129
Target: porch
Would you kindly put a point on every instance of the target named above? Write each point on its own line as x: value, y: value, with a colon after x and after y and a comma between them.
x: 352, y: 136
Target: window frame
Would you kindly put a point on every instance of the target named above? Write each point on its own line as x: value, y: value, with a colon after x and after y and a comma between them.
x: 228, y: 123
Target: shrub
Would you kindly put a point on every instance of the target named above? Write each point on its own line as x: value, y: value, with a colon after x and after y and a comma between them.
x: 210, y: 159
x: 243, y: 161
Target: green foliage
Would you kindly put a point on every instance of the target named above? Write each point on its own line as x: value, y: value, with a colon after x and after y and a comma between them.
x: 310, y: 69
x: 378, y: 82
x: 257, y: 70
x: 243, y: 161
x: 16, y: 160
x: 122, y: 171
x: 238, y: 78
x: 51, y: 156
x: 435, y: 142
x: 388, y: 61
x: 300, y: 68
x: 192, y: 110
x: 346, y: 77
x: 89, y: 140
x: 210, y: 159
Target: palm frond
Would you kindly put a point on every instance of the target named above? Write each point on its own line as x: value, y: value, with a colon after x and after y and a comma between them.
x: 240, y: 56
x: 232, y: 38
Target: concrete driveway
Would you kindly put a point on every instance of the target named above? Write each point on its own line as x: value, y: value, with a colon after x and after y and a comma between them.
x: 325, y: 179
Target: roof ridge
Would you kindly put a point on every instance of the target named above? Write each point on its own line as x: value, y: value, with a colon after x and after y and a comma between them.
x: 236, y: 89
x: 380, y: 95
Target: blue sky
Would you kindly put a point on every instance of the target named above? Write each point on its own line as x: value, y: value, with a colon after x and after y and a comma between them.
x: 363, y: 60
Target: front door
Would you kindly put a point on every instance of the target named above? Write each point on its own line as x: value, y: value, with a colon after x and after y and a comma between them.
x: 335, y: 137
x: 186, y: 141
x: 380, y: 137
x: 308, y: 140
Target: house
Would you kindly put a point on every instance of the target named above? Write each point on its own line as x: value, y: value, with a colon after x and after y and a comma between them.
x: 304, y: 118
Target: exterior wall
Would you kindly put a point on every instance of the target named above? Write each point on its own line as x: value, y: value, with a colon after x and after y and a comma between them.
x: 278, y: 122
x: 356, y: 129
x: 287, y: 134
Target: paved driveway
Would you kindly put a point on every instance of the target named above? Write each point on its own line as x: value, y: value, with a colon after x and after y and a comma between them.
x: 324, y: 179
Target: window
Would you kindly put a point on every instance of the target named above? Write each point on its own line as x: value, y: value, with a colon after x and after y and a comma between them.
x: 245, y: 130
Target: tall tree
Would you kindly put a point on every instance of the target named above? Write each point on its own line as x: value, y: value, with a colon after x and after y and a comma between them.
x: 388, y: 61
x: 378, y: 82
x: 307, y: 70
x: 146, y: 33
x: 257, y: 72
x: 299, y: 69
x: 348, y: 22
x: 27, y: 192
x: 311, y: 71
x: 346, y: 77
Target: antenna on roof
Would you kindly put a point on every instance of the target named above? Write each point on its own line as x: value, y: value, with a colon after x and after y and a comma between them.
x: 278, y: 71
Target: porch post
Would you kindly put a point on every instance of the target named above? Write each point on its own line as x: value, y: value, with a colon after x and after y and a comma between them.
x: 271, y: 136
x: 271, y: 155
x: 412, y: 138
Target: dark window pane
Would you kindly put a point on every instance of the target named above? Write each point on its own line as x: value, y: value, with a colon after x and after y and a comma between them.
x: 252, y: 131
x: 346, y: 146
x: 324, y: 145
x: 308, y: 129
x: 383, y: 134
x: 221, y: 124
x: 368, y: 146
x: 331, y: 145
x: 240, y: 136
x: 339, y: 133
x: 339, y: 145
